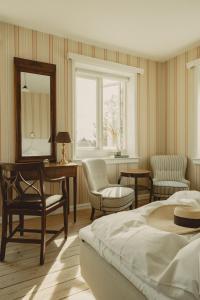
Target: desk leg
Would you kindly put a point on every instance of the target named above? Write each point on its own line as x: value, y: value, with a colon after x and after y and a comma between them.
x: 136, y: 192
x: 75, y: 196
x: 151, y: 189
x: 68, y: 202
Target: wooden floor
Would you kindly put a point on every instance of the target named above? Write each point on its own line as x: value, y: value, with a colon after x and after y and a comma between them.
x: 21, y: 277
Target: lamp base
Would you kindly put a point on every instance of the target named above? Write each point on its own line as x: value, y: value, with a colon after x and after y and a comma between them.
x: 63, y: 162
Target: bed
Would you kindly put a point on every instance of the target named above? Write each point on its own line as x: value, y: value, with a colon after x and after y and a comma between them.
x: 104, y: 280
x: 116, y: 268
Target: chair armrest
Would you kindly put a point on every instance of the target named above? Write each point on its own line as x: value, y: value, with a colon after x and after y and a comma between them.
x: 186, y: 181
x: 97, y: 197
x: 182, y: 180
x: 58, y: 179
x: 61, y: 180
x: 95, y: 193
x: 117, y: 185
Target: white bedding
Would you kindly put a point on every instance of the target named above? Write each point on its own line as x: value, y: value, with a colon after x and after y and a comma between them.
x: 158, y: 263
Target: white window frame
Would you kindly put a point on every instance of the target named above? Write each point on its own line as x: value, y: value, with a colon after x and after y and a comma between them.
x: 90, y: 65
x: 99, y: 150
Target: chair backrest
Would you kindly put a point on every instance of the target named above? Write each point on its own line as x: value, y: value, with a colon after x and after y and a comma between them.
x: 95, y: 173
x: 169, y: 167
x: 21, y: 178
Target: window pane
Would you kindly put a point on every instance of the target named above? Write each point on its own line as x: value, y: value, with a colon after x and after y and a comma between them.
x: 113, y: 120
x: 86, y: 112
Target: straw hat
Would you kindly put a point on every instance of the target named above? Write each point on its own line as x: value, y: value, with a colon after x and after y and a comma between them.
x: 187, y: 217
x: 165, y: 217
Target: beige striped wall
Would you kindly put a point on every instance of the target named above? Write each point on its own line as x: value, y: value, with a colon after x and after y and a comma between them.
x: 180, y: 104
x: 26, y: 43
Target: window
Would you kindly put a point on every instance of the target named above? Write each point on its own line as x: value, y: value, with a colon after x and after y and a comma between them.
x: 86, y: 112
x: 100, y: 114
x: 114, y: 104
x: 104, y: 109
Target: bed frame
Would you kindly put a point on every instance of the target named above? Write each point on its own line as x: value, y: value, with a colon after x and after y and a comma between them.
x: 103, y: 279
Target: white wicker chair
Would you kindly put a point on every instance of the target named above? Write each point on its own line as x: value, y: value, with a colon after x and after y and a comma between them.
x: 168, y: 175
x: 105, y: 196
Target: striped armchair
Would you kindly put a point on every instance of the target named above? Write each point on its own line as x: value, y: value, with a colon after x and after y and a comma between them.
x: 168, y: 175
x: 106, y: 197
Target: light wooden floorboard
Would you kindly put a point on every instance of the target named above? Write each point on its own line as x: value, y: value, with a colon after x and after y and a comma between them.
x: 21, y: 276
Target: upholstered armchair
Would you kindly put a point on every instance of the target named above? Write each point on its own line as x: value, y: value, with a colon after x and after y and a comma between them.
x: 106, y: 197
x: 168, y: 175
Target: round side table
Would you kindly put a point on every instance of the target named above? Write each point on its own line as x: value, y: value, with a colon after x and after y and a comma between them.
x: 138, y: 173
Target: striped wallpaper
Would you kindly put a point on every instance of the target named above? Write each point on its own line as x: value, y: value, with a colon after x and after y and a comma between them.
x: 180, y: 112
x: 152, y: 99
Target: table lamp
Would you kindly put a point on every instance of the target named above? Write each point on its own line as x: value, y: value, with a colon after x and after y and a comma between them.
x: 63, y: 138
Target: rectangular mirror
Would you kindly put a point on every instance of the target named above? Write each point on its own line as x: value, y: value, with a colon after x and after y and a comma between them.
x: 35, y: 110
x: 35, y: 114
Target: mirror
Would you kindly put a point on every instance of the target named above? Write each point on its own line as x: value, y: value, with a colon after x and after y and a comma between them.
x: 35, y: 110
x: 35, y: 114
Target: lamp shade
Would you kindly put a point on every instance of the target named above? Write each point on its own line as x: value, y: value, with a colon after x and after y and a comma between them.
x: 63, y: 137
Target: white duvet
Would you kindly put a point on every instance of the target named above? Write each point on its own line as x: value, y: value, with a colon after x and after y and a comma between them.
x: 168, y: 262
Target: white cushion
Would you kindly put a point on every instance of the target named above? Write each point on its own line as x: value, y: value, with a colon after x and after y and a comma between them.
x: 115, y: 198
x: 53, y: 199
x: 116, y: 192
x: 170, y: 184
x: 167, y: 188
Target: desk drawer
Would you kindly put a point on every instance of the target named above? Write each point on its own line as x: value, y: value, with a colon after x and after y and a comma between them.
x: 59, y: 171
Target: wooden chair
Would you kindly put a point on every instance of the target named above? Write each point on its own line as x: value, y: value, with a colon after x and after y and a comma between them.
x: 22, y: 197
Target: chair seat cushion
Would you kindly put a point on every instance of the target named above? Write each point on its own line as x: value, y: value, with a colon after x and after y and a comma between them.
x: 169, y: 187
x: 116, y: 197
x: 170, y: 184
x: 34, y: 201
x: 52, y: 199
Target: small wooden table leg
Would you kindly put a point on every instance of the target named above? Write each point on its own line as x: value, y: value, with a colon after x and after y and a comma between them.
x: 75, y: 196
x: 151, y: 189
x: 136, y: 192
x: 137, y: 174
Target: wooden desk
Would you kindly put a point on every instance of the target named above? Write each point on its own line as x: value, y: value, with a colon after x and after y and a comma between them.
x: 69, y: 170
x: 138, y: 173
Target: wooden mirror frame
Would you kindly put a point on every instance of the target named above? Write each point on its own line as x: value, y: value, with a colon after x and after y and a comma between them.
x: 35, y: 67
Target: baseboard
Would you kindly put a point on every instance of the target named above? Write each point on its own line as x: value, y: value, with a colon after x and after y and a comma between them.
x: 58, y: 211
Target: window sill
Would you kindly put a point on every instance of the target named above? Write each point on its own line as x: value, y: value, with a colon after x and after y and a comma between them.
x: 196, y: 161
x: 113, y: 160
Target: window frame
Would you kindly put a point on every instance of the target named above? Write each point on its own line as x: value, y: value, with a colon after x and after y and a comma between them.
x: 123, y: 96
x: 84, y: 75
x: 99, y: 150
x: 89, y: 64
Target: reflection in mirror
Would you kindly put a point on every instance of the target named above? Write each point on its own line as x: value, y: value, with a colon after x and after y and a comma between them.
x: 35, y: 114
